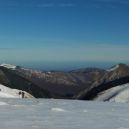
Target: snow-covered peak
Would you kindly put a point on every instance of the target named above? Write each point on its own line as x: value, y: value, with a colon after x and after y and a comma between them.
x: 122, y: 67
x: 113, y: 68
x: 9, y: 66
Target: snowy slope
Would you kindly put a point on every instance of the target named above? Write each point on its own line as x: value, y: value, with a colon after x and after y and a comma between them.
x: 6, y: 92
x: 9, y: 66
x: 62, y: 114
x: 113, y: 68
x: 115, y: 94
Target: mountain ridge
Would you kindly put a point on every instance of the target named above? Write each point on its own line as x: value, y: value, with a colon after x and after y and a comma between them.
x: 73, y: 84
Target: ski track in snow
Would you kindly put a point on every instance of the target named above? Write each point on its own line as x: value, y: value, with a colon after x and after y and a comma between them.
x: 62, y: 114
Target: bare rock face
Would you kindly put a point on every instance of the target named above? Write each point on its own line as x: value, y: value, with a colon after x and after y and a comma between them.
x: 50, y: 84
x: 62, y: 84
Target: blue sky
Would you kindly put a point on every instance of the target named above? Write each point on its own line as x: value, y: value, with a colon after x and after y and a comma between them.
x: 60, y: 32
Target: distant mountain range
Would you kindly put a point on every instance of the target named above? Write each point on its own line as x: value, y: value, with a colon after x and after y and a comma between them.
x: 83, y: 84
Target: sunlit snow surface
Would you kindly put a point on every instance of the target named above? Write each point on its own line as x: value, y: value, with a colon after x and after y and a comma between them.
x: 62, y: 114
x: 6, y: 92
x: 115, y: 94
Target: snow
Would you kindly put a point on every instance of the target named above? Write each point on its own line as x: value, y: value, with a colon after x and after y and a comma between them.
x: 9, y: 66
x: 123, y: 128
x: 49, y: 72
x: 3, y: 103
x: 58, y: 109
x: 6, y: 92
x: 115, y: 94
x: 38, y: 114
x: 113, y: 68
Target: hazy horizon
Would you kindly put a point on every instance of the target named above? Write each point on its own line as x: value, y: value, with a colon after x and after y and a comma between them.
x: 65, y: 66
